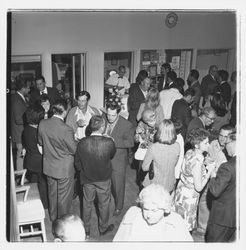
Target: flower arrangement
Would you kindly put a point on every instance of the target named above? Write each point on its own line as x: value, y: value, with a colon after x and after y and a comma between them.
x: 113, y: 96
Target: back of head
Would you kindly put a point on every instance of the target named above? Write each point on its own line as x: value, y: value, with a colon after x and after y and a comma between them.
x: 34, y: 114
x: 190, y: 92
x: 148, y: 115
x: 195, y: 74
x: 197, y: 135
x: 177, y: 125
x: 141, y: 76
x: 59, y: 107
x: 171, y: 75
x: 218, y: 104
x: 153, y: 98
x: 96, y: 123
x: 68, y: 228
x: 223, y: 74
x: 20, y: 83
x: 156, y: 194
x: 178, y: 83
x: 166, y: 133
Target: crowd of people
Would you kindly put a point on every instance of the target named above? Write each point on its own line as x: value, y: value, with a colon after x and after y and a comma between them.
x: 182, y: 143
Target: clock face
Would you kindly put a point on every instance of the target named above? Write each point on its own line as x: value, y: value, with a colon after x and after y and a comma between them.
x: 171, y: 20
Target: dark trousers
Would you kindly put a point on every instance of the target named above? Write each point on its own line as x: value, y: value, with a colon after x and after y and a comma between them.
x: 103, y: 192
x: 118, y: 186
x: 218, y: 233
x: 60, y: 196
x: 40, y: 178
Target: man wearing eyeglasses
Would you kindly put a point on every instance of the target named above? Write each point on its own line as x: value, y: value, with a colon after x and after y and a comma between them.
x: 222, y: 219
x: 204, y: 120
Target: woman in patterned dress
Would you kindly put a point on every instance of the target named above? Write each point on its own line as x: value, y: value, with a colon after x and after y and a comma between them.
x: 194, y: 177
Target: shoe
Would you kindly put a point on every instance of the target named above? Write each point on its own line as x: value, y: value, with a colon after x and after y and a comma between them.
x: 117, y: 212
x: 109, y: 229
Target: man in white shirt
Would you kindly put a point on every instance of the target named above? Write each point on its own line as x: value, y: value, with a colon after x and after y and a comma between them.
x: 78, y: 117
x: 119, y: 80
x: 167, y: 98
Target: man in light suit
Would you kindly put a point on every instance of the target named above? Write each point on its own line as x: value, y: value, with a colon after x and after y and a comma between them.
x: 42, y: 89
x: 59, y: 147
x: 122, y: 132
x: 222, y: 219
x: 18, y: 108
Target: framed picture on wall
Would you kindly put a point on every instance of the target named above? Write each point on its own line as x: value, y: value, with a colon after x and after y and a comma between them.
x: 152, y: 70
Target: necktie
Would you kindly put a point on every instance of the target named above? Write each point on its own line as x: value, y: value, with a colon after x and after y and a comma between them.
x: 109, y: 130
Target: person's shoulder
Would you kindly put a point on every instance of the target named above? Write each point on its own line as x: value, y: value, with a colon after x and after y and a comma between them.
x: 134, y: 86
x: 131, y: 214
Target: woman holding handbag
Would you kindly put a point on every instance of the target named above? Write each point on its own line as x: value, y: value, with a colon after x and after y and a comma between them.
x: 164, y: 154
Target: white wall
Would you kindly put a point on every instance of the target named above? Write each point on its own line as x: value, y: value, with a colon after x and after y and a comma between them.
x: 97, y: 32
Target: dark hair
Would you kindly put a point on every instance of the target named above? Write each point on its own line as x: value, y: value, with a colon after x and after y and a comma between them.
x: 82, y: 93
x: 189, y: 91
x: 141, y: 76
x: 223, y: 74
x: 178, y: 83
x: 113, y: 106
x: 177, y: 125
x: 40, y: 77
x: 20, y: 83
x: 194, y: 73
x: 122, y: 67
x: 197, y: 135
x: 166, y: 66
x: 218, y: 104
x: 233, y: 75
x: 59, y: 107
x: 96, y: 122
x: 232, y: 136
x: 44, y: 98
x: 227, y: 127
x: 172, y: 75
x: 34, y: 114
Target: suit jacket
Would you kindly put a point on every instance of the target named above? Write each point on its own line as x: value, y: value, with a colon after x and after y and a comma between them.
x: 51, y: 92
x: 93, y: 158
x: 18, y: 108
x: 226, y: 92
x: 207, y: 85
x: 198, y: 92
x: 123, y: 135
x: 136, y: 97
x: 194, y: 123
x: 182, y: 112
x: 223, y: 188
x: 59, y: 147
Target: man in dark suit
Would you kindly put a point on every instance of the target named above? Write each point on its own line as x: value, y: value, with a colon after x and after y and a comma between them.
x: 42, y: 89
x: 137, y: 95
x: 224, y: 86
x: 162, y: 80
x: 205, y: 119
x: 18, y: 108
x: 222, y: 219
x: 122, y: 132
x: 93, y: 161
x: 209, y: 82
x: 194, y: 84
x: 59, y: 147
x: 181, y: 110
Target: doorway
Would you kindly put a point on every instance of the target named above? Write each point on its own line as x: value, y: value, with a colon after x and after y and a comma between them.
x: 69, y: 73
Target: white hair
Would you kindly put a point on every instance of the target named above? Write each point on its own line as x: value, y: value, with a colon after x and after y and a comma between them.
x: 157, y: 195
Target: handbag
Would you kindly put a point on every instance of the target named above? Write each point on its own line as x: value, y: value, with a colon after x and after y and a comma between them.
x: 140, y: 153
x: 151, y: 171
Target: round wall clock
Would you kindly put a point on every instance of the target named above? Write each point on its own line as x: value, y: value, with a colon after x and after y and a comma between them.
x: 171, y: 19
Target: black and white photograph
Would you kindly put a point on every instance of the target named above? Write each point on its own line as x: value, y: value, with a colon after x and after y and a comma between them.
x: 123, y: 125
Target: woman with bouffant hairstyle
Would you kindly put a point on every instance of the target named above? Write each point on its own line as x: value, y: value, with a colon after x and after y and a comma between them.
x: 163, y: 154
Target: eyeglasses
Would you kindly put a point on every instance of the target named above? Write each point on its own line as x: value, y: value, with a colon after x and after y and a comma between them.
x: 223, y: 136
